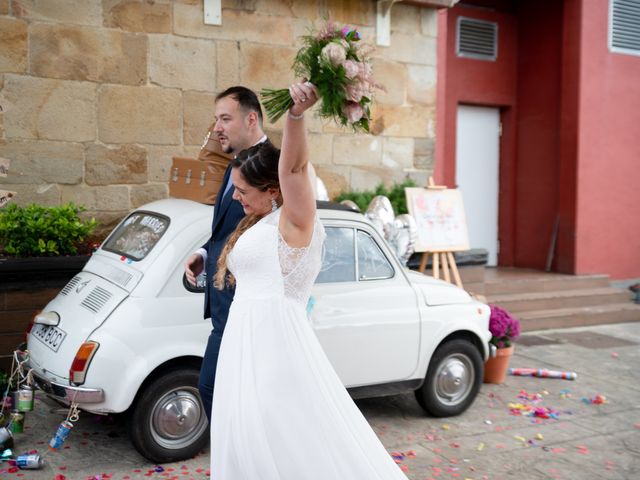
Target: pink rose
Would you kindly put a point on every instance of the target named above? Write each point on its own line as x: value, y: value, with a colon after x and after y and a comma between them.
x: 351, y: 68
x: 353, y: 111
x: 365, y: 71
x: 357, y: 90
x: 334, y: 53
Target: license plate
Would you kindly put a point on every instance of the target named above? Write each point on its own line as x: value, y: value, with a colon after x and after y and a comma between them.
x: 51, y: 336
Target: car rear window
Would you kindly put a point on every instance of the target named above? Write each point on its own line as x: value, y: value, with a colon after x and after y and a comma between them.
x: 137, y: 235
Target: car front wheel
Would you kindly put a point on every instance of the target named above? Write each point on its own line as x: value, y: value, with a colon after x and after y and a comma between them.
x: 453, y: 379
x: 168, y: 422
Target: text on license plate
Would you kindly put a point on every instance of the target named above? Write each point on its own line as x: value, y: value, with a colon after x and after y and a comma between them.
x: 51, y: 336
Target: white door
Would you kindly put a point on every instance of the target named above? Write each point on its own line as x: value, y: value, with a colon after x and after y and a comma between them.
x: 477, y: 162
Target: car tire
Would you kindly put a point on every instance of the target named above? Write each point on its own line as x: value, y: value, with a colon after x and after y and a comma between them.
x: 168, y: 422
x: 453, y: 379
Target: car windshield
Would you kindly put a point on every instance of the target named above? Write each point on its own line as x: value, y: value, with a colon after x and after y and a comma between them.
x: 137, y: 235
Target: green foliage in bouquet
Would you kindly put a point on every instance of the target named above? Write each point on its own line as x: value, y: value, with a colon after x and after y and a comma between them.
x: 395, y: 194
x: 341, y: 71
x: 36, y: 231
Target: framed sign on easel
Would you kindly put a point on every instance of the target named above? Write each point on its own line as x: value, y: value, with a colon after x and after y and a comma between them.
x: 442, y: 227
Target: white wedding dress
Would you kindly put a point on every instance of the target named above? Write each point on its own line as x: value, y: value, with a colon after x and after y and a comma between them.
x: 280, y: 412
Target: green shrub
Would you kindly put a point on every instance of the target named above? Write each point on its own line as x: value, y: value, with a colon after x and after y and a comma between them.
x: 395, y: 195
x: 36, y: 231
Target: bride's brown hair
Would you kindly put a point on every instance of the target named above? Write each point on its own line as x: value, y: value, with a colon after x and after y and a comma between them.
x: 259, y: 167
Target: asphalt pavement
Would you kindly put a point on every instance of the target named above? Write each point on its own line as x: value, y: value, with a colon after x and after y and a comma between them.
x: 592, y: 430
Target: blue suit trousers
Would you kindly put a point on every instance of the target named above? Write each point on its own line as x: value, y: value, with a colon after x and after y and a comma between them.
x: 208, y: 370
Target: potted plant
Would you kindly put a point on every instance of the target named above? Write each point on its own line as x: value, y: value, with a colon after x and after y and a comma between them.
x: 504, y: 330
x: 41, y: 249
x: 38, y: 238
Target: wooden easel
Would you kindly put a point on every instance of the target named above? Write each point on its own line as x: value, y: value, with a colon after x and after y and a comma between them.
x: 446, y: 258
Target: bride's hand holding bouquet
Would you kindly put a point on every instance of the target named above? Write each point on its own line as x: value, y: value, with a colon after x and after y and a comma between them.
x: 340, y: 69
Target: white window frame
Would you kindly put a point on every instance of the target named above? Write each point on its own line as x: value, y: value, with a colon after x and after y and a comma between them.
x: 612, y: 49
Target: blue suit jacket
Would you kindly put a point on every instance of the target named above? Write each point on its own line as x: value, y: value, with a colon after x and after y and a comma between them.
x: 226, y: 215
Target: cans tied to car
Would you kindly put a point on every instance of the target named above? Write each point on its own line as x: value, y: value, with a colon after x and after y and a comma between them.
x: 61, y: 435
x: 29, y: 462
x: 16, y: 422
x: 24, y: 399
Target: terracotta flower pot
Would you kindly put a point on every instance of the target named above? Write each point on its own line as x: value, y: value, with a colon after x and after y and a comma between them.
x: 495, y: 369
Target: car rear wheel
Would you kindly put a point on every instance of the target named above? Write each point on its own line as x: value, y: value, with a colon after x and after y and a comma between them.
x: 168, y: 422
x: 453, y: 379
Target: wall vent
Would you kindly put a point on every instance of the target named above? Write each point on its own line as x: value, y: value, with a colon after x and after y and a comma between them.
x: 477, y: 39
x: 624, y: 26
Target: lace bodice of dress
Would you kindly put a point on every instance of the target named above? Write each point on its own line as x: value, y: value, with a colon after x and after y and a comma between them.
x: 264, y: 265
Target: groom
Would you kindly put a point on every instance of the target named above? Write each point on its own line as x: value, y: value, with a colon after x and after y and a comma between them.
x: 238, y: 125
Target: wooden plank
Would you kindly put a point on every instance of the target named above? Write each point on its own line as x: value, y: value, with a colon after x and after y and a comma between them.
x: 423, y: 262
x: 445, y: 267
x: 454, y: 269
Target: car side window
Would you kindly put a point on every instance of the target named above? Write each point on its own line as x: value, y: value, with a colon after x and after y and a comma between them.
x: 338, y: 257
x: 372, y: 263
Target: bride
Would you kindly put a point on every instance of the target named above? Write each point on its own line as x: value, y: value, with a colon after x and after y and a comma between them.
x: 280, y: 412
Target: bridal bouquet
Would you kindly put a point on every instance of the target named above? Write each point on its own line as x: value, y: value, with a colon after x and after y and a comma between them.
x: 340, y: 69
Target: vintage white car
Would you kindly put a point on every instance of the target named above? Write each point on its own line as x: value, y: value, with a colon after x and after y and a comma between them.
x: 126, y: 334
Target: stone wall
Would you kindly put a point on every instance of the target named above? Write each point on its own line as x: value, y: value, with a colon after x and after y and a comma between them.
x: 98, y: 95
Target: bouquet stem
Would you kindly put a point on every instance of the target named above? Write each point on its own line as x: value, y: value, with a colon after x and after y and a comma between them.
x: 276, y: 102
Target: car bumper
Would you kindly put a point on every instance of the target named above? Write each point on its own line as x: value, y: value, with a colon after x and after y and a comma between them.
x: 492, y: 350
x: 68, y: 393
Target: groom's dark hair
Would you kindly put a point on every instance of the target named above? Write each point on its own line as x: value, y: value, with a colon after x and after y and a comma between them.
x: 246, y: 97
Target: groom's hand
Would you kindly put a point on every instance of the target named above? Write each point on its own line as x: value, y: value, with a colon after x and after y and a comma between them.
x: 193, y: 267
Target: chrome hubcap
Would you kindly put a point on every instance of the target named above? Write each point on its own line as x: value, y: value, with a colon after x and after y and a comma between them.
x: 454, y: 379
x: 177, y: 418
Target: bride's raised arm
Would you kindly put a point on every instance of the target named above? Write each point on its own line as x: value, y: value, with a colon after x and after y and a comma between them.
x: 299, y: 205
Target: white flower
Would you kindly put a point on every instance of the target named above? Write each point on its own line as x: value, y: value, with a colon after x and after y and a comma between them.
x: 351, y: 68
x: 334, y: 53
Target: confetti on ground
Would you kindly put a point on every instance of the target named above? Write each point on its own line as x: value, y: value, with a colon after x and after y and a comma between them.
x: 595, y: 400
x: 583, y: 450
x: 530, y: 411
x: 398, y: 456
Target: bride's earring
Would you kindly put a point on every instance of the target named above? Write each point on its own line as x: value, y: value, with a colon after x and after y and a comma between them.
x: 274, y: 205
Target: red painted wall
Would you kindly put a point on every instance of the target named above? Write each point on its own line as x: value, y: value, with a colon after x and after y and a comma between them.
x: 571, y: 132
x: 478, y: 82
x: 608, y: 146
x: 469, y: 81
x: 538, y: 130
